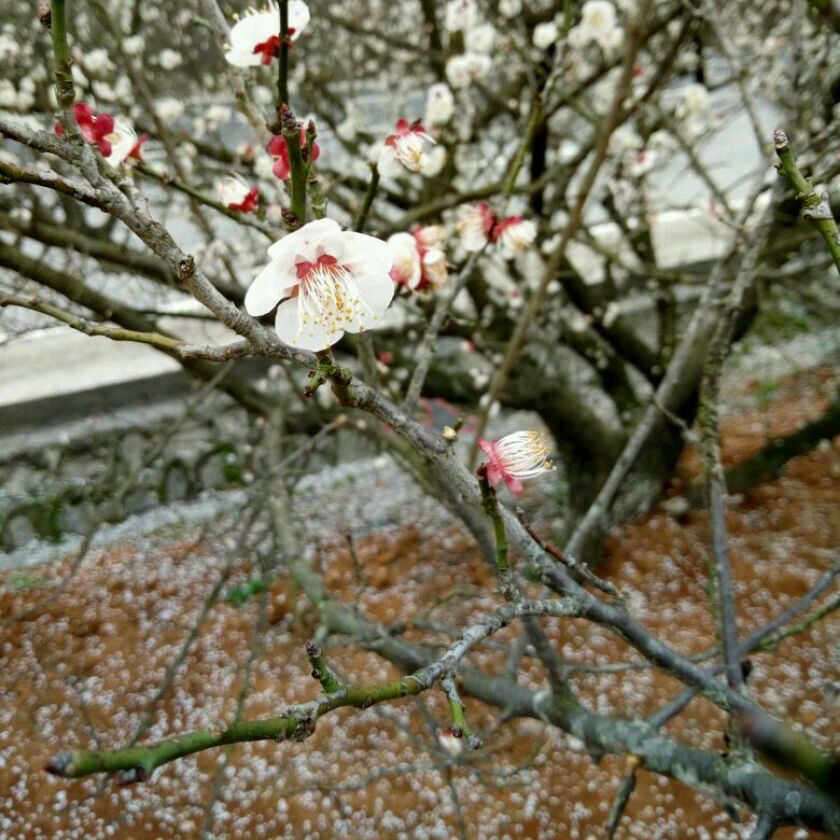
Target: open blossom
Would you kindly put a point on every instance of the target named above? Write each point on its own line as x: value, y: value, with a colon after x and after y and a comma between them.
x: 440, y: 104
x: 116, y: 139
x: 278, y: 149
x: 419, y: 259
x: 330, y: 282
x: 513, y: 235
x: 407, y: 146
x: 237, y: 194
x: 517, y: 457
x: 255, y: 38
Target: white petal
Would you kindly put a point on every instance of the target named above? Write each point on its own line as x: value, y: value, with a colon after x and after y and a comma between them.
x: 315, y: 337
x: 298, y: 17
x: 389, y: 166
x: 296, y: 242
x: 254, y: 29
x: 376, y: 292
x: 270, y: 286
x: 243, y: 58
x: 366, y: 254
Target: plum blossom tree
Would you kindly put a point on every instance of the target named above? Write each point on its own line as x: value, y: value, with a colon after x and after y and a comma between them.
x: 505, y: 225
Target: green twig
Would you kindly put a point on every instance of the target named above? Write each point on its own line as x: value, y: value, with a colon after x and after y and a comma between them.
x: 330, y: 683
x: 370, y: 194
x: 491, y: 508
x: 65, y: 92
x: 815, y: 207
x: 460, y: 727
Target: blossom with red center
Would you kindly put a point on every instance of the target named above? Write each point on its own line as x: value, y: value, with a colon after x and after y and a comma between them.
x: 255, y: 38
x: 513, y: 235
x: 278, y: 149
x: 116, y: 139
x: 237, y: 194
x: 94, y: 127
x: 475, y: 225
x: 408, y: 147
x: 327, y: 281
x: 516, y: 457
x: 419, y: 260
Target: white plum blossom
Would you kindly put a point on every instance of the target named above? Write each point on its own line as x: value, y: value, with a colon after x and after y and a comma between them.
x: 134, y: 44
x: 546, y: 34
x: 170, y: 59
x: 330, y: 282
x: 694, y: 109
x: 237, y: 194
x: 474, y: 225
x: 123, y: 139
x: 599, y: 24
x: 440, y: 104
x: 516, y: 457
x: 451, y: 743
x: 480, y: 39
x: 255, y: 37
x: 8, y: 47
x: 510, y: 8
x: 97, y: 61
x: 462, y: 70
x: 169, y: 109
x: 8, y: 94
x: 460, y: 15
x: 513, y: 235
x: 406, y: 147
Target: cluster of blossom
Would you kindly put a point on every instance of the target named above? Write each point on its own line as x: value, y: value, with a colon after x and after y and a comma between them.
x: 419, y: 258
x: 116, y: 139
x: 599, y: 25
x: 478, y: 38
x: 478, y: 225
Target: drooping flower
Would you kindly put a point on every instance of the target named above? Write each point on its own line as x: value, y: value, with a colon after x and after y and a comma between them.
x: 116, y: 139
x: 407, y: 147
x: 237, y: 194
x: 440, y: 104
x: 278, y: 149
x: 450, y: 742
x: 255, y: 38
x: 474, y: 225
x: 513, y: 235
x: 419, y: 259
x: 330, y: 282
x: 516, y: 457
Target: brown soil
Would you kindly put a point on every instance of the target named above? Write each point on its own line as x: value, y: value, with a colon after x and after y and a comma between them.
x: 81, y: 667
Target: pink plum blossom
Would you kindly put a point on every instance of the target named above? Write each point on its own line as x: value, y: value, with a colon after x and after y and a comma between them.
x: 278, y: 149
x: 330, y: 282
x: 516, y: 457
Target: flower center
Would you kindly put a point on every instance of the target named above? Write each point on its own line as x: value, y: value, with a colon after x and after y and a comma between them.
x: 269, y: 48
x: 329, y: 297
